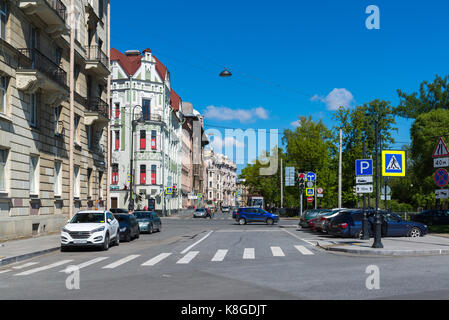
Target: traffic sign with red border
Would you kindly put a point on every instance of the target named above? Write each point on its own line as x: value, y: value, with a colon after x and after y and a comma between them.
x: 441, y: 177
x: 309, y: 199
x: 440, y: 149
x: 319, y: 190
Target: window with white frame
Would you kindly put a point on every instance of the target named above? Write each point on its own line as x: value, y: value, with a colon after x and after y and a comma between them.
x: 58, y: 122
x: 34, y: 175
x: 3, y: 158
x: 3, y: 19
x: 33, y: 110
x: 58, y: 179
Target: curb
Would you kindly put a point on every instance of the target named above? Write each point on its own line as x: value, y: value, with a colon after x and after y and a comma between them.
x: 25, y: 256
x: 377, y: 252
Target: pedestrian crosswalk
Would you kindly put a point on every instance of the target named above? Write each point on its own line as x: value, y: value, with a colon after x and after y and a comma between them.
x: 182, y: 258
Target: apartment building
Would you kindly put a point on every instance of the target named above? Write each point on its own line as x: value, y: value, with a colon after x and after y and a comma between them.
x: 145, y: 129
x: 35, y: 113
x: 221, y: 179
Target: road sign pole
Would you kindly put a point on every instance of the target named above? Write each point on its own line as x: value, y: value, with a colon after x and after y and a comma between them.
x: 365, y: 231
x: 377, y: 224
x: 316, y: 177
x: 282, y: 185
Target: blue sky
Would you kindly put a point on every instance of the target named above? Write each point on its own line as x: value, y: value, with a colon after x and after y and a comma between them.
x: 287, y: 56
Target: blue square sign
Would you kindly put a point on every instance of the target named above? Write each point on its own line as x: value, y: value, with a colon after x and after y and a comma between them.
x: 364, y: 167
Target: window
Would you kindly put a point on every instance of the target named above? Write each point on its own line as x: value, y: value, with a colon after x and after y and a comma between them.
x: 89, y: 182
x: 143, y: 174
x: 3, y: 19
x: 153, y: 174
x: 58, y: 179
x: 146, y: 112
x: 89, y: 136
x: 3, y: 157
x: 100, y: 9
x: 117, y: 140
x: 3, y: 89
x: 77, y: 122
x: 100, y: 184
x: 143, y: 141
x: 153, y: 139
x: 33, y: 110
x: 76, y: 181
x: 34, y: 175
x: 58, y: 56
x: 115, y: 174
x: 117, y: 110
x: 58, y: 123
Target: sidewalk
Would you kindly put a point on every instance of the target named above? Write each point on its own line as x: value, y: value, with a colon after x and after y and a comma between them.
x: 18, y: 250
x: 400, y: 246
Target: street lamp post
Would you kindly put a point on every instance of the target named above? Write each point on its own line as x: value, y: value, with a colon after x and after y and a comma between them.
x: 131, y: 182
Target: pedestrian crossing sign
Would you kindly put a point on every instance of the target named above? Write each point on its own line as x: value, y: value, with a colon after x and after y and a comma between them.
x: 393, y: 163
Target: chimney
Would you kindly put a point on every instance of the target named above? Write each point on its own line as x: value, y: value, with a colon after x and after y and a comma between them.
x: 132, y: 53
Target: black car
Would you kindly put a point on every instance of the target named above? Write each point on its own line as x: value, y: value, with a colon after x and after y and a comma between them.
x: 129, y: 227
x: 432, y: 217
x: 119, y: 210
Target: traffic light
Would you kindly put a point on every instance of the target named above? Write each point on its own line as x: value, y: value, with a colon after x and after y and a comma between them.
x: 302, y: 180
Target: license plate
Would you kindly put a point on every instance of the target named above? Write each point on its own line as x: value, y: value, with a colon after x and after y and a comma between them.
x: 79, y: 241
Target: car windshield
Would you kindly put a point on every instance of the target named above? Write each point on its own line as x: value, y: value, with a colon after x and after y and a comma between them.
x: 142, y: 214
x: 200, y: 210
x: 88, y: 217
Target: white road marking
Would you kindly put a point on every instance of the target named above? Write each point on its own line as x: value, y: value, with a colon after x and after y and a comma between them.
x: 294, y: 235
x: 121, y: 261
x: 248, y: 253
x: 156, y: 259
x: 188, y: 257
x: 220, y: 255
x: 29, y: 264
x: 4, y: 271
x: 53, y: 265
x: 277, y: 252
x: 88, y: 263
x: 303, y: 250
x: 191, y: 246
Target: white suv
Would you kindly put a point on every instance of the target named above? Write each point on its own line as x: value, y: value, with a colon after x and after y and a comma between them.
x: 91, y: 228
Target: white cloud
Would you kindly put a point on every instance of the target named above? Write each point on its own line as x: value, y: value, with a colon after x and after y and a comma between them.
x: 295, y: 123
x: 242, y: 115
x: 336, y: 98
x: 218, y: 144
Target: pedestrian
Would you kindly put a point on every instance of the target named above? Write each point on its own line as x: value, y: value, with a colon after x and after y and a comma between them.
x: 145, y: 208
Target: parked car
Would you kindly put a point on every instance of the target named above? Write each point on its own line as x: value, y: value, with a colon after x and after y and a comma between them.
x: 432, y: 217
x: 119, y: 210
x: 202, y: 213
x: 255, y: 214
x: 129, y: 227
x: 148, y: 221
x: 91, y: 228
x: 308, y: 215
x: 225, y: 209
x: 349, y: 224
x: 323, y: 219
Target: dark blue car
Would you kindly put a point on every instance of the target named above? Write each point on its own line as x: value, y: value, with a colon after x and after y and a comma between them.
x: 254, y: 214
x: 349, y: 224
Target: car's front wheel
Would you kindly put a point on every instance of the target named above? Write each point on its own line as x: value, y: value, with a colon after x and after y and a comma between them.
x: 105, y: 246
x: 270, y: 221
x: 128, y: 236
x: 150, y: 229
x: 117, y: 238
x: 414, y: 232
x: 242, y: 221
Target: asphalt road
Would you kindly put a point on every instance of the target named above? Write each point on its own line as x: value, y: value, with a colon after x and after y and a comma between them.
x: 203, y: 259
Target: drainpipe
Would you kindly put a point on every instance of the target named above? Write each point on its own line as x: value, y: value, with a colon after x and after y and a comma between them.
x: 72, y: 106
x: 109, y: 148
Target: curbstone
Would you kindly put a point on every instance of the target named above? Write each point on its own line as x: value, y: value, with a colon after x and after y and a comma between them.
x: 26, y: 256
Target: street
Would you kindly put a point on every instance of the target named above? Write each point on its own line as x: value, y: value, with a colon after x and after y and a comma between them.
x: 217, y: 259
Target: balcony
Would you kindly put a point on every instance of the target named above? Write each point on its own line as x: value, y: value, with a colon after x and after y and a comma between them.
x: 96, y: 111
x: 97, y: 62
x: 52, y: 12
x: 151, y: 117
x: 35, y: 70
